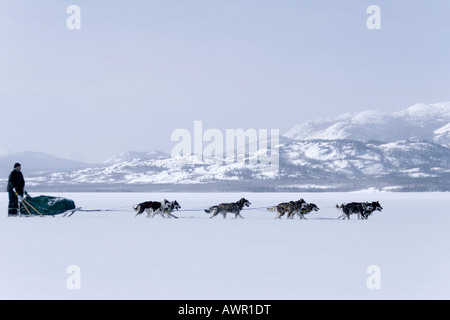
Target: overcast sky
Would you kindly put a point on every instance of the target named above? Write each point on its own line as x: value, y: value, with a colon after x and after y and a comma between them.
x: 138, y: 70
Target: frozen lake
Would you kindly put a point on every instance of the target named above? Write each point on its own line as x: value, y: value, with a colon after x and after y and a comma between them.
x: 117, y: 256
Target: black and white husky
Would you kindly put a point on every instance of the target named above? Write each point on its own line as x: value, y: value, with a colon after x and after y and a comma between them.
x: 152, y: 208
x: 232, y: 207
x: 370, y: 207
x: 362, y: 209
x: 173, y: 205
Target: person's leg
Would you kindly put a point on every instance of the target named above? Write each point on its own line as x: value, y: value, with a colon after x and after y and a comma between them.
x: 13, y: 205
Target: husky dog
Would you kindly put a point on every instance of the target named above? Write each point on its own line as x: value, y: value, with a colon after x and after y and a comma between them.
x: 370, y: 207
x: 288, y: 207
x: 233, y: 207
x: 173, y: 205
x: 350, y: 208
x: 151, y: 207
x: 305, y: 209
x: 362, y: 209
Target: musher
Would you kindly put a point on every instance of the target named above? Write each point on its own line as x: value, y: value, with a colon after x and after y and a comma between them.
x: 16, y: 185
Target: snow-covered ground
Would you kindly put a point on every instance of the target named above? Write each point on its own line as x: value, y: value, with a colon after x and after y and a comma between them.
x: 118, y: 256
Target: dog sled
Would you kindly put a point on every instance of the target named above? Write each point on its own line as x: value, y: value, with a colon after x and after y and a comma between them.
x: 47, y: 206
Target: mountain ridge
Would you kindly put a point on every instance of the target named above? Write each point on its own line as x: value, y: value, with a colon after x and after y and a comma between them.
x: 407, y: 150
x: 418, y: 121
x: 328, y: 164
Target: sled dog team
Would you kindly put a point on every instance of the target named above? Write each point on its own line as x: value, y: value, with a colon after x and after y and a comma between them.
x: 291, y: 208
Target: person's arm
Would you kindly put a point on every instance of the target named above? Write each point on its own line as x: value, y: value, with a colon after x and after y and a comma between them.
x: 12, y: 180
x: 17, y: 182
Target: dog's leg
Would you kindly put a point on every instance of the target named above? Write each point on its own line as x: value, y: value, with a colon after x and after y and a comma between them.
x: 292, y: 214
x: 289, y: 214
x: 138, y: 213
x: 171, y: 215
x: 139, y: 210
x: 278, y: 214
x: 216, y: 212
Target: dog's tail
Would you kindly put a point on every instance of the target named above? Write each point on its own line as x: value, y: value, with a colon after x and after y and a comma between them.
x: 210, y: 209
x: 272, y: 208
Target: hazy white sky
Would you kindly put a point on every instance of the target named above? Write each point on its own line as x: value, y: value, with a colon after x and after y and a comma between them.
x: 137, y: 70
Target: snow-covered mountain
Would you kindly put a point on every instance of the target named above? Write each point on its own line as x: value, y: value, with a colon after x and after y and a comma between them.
x: 405, y: 150
x: 136, y: 155
x: 311, y: 165
x: 428, y: 122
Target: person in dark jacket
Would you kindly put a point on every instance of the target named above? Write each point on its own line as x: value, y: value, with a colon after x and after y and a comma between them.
x: 16, y: 185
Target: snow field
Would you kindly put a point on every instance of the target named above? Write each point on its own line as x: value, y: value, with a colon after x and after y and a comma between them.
x: 194, y: 257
